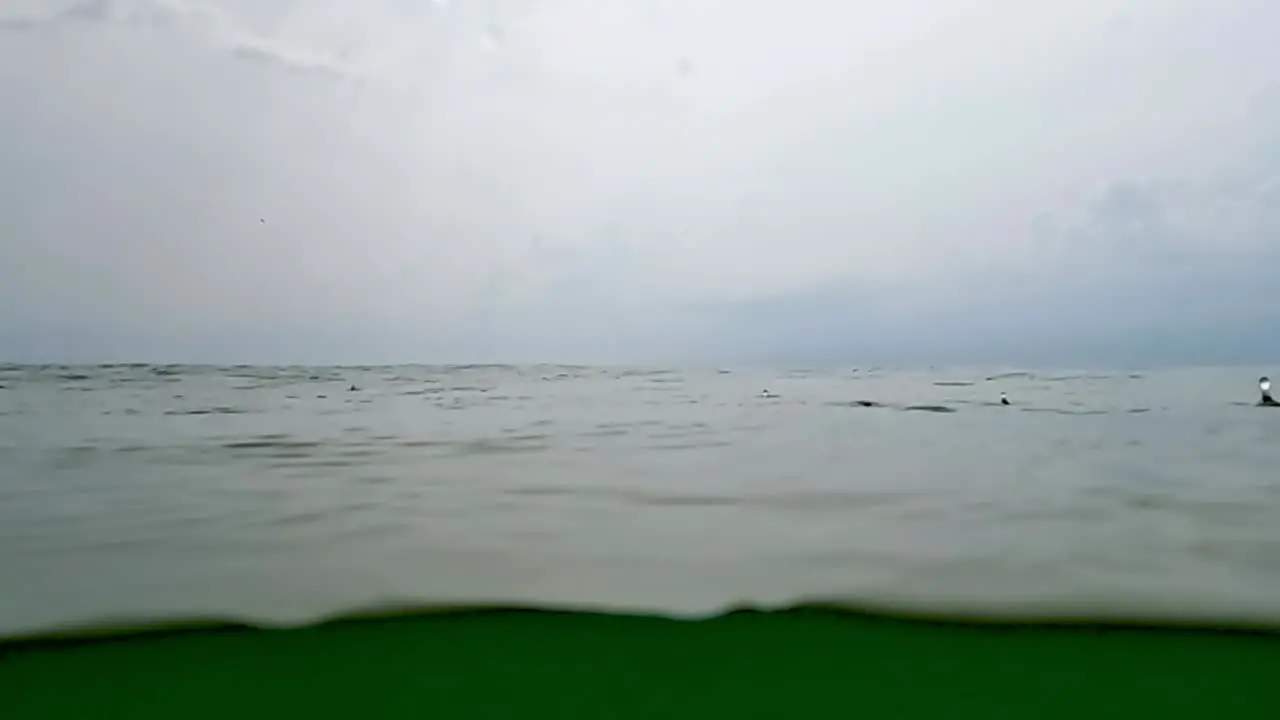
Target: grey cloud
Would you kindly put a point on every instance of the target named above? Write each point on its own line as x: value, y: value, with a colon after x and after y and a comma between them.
x: 723, y: 180
x: 32, y: 21
x: 1138, y: 271
x: 204, y: 20
x: 266, y: 56
x: 86, y: 12
x: 90, y: 10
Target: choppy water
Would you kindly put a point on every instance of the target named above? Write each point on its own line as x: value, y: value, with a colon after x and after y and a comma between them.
x: 279, y: 495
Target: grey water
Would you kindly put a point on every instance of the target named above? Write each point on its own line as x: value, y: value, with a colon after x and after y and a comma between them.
x: 280, y: 495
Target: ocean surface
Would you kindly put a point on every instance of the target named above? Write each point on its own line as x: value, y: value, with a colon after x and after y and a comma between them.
x: 283, y: 496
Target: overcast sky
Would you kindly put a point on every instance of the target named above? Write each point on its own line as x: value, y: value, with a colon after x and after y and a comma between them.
x: 807, y: 181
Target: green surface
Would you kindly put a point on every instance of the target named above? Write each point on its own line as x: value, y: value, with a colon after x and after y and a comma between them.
x: 803, y: 663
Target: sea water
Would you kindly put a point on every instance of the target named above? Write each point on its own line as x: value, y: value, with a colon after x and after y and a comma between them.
x: 283, y: 495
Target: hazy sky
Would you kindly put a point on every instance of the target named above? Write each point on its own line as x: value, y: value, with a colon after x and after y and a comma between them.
x: 615, y: 180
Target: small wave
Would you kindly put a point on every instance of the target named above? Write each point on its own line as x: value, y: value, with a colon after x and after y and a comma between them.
x: 606, y: 432
x: 929, y: 408
x: 293, y: 460
x: 424, y: 391
x: 692, y: 501
x: 490, y: 367
x: 420, y: 443
x: 218, y: 410
x: 677, y: 433
x: 484, y: 446
x: 639, y: 373
x: 893, y: 406
x: 528, y: 437
x: 689, y: 445
x: 855, y: 403
x: 834, y: 501
x: 302, y: 518
x: 1010, y: 376
x: 271, y: 443
x: 1062, y: 411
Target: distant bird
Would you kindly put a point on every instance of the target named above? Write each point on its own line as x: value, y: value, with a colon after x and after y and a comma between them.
x: 1264, y: 387
x: 1004, y: 399
x: 262, y: 220
x: 766, y: 394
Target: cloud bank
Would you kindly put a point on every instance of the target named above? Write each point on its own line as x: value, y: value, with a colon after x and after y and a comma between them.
x: 809, y: 182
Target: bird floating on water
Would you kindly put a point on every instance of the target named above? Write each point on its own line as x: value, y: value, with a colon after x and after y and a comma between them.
x: 1264, y: 387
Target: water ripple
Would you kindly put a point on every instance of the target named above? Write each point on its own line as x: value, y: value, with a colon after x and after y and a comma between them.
x: 292, y: 492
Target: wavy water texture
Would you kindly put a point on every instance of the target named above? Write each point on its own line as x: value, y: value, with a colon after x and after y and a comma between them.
x: 286, y: 496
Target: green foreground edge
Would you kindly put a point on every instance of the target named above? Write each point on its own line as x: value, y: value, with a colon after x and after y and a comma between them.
x: 804, y: 662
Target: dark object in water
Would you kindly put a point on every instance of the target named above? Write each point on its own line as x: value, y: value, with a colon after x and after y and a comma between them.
x: 896, y: 406
x: 930, y: 408
x: 1004, y: 399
